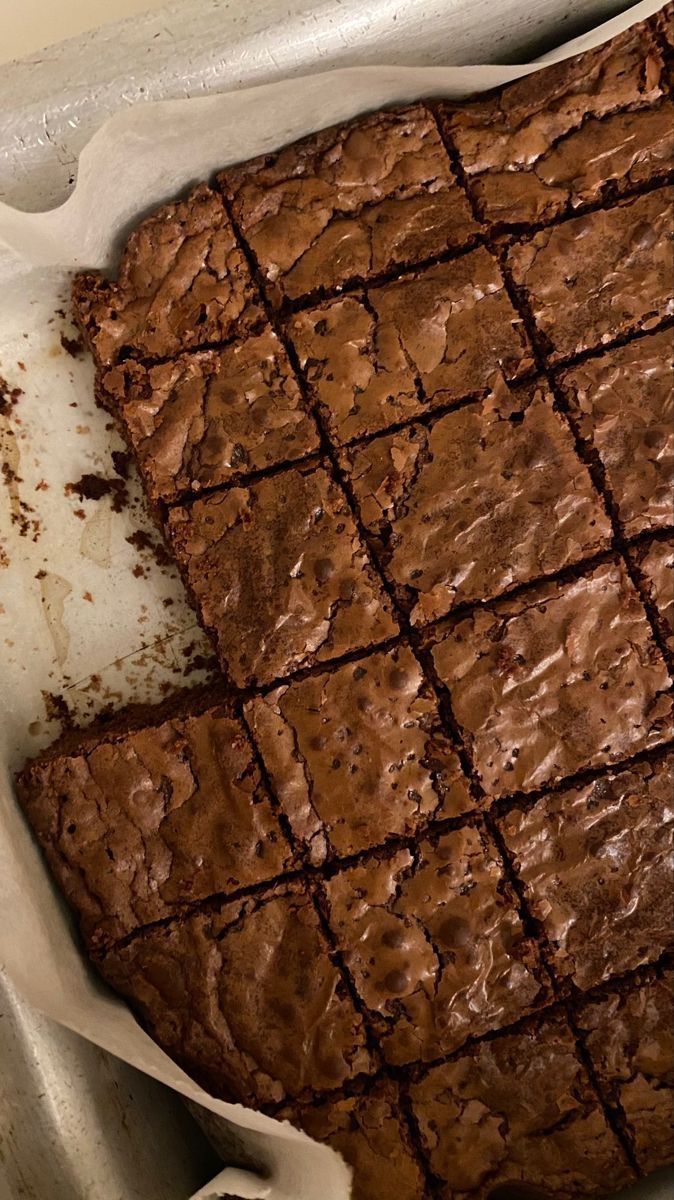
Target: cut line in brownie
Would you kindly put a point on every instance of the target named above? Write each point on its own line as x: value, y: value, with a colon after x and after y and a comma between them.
x: 246, y: 998
x: 481, y: 500
x: 183, y: 282
x: 596, y: 863
x: 573, y: 134
x: 518, y: 1117
x: 279, y: 575
x: 350, y: 202
x: 141, y: 821
x: 434, y: 944
x: 599, y: 277
x: 565, y: 676
x: 629, y: 1034
x: 623, y: 404
x: 430, y: 338
x: 358, y: 755
x: 211, y: 417
x: 654, y: 562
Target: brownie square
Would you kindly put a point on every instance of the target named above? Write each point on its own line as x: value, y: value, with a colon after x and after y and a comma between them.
x: 279, y: 575
x: 518, y: 1117
x: 245, y: 998
x: 153, y: 814
x: 358, y: 755
x: 623, y: 403
x: 569, y: 134
x: 600, y: 276
x: 489, y: 496
x: 434, y: 944
x: 563, y: 677
x: 596, y: 862
x: 182, y: 282
x: 367, y: 1129
x: 210, y: 417
x: 349, y: 202
x: 654, y: 562
x: 630, y: 1038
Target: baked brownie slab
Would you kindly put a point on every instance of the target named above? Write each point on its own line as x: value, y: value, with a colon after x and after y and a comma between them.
x: 485, y: 498
x: 630, y: 1037
x: 369, y: 1132
x: 182, y: 282
x: 434, y: 944
x: 450, y: 328
x: 206, y: 418
x: 563, y: 677
x: 623, y: 403
x: 563, y: 136
x: 139, y: 821
x: 349, y: 202
x: 358, y: 755
x: 520, y: 1111
x: 246, y: 999
x: 595, y: 278
x: 655, y: 564
x: 597, y: 863
x: 279, y: 574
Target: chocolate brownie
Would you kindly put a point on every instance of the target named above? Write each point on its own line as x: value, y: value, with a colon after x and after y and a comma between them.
x: 564, y: 677
x: 246, y: 998
x: 518, y: 1117
x: 434, y: 944
x: 358, y: 755
x: 623, y: 403
x: 182, y: 282
x: 368, y: 1131
x: 655, y: 564
x: 569, y: 134
x: 487, y: 497
x: 630, y: 1037
x: 454, y: 328
x: 279, y: 574
x: 598, y: 277
x: 206, y: 418
x: 349, y: 202
x: 140, y: 820
x: 596, y: 863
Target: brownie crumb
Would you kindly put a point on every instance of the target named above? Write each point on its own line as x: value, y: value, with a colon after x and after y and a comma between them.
x: 72, y: 346
x: 9, y: 396
x: 94, y: 487
x: 141, y: 540
x: 121, y: 461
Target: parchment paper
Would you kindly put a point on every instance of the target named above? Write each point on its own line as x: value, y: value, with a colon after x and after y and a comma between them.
x: 84, y: 613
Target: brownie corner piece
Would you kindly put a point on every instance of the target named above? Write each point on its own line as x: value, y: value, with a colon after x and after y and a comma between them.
x: 246, y: 998
x: 629, y: 1034
x: 517, y: 1115
x: 140, y: 820
x: 349, y: 202
x: 182, y: 282
x: 279, y: 574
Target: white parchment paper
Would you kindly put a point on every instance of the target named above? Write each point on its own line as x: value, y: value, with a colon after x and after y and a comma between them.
x: 84, y: 613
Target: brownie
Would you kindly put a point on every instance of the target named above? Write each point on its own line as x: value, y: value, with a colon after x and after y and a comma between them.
x: 518, y: 1117
x: 452, y: 326
x: 623, y: 403
x: 246, y: 998
x: 136, y: 823
x: 182, y: 282
x: 596, y: 862
x: 358, y: 755
x: 654, y: 562
x: 563, y: 677
x: 567, y: 135
x: 349, y: 203
x: 630, y: 1038
x: 434, y: 944
x: 209, y: 417
x: 279, y: 574
x: 600, y: 276
x: 489, y: 496
x: 367, y: 1129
